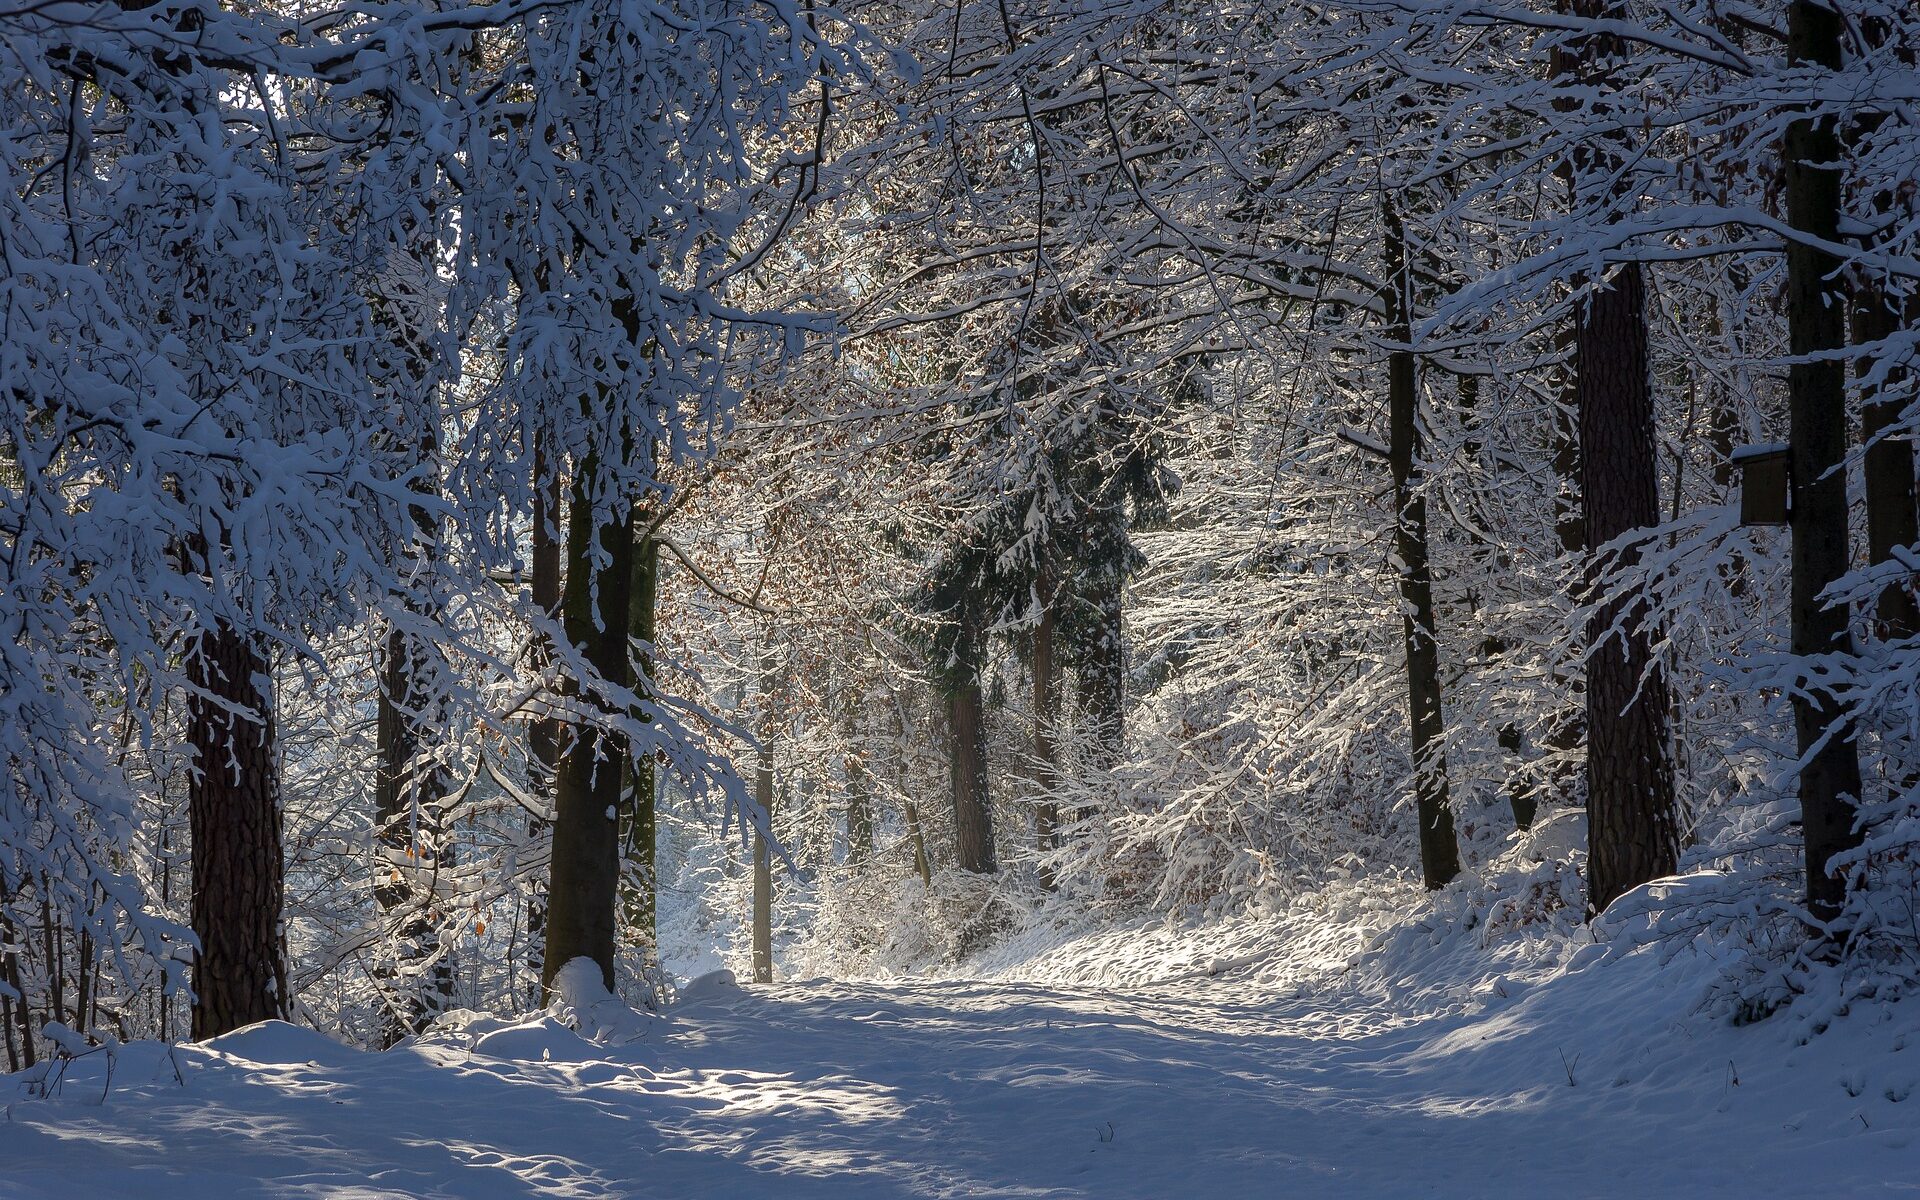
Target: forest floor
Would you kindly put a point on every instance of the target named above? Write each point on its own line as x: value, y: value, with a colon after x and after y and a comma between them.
x: 1296, y: 1055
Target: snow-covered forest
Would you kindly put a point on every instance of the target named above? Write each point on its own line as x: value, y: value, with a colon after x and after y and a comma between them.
x: 707, y: 539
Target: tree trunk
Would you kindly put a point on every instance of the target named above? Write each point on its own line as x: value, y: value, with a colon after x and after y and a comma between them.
x: 859, y: 811
x: 1881, y: 312
x: 240, y: 975
x: 1816, y: 316
x: 1439, y: 849
x: 407, y: 813
x: 408, y: 798
x: 637, y: 816
x: 543, y: 733
x: 1632, y: 832
x: 1891, y: 516
x: 585, y: 872
x: 967, y: 763
x: 762, y: 866
x: 1046, y: 715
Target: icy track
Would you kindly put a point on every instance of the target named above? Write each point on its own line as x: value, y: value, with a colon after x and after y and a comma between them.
x: 1590, y: 1080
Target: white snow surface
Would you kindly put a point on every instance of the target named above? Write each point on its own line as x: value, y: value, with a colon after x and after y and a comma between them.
x: 1357, y: 1045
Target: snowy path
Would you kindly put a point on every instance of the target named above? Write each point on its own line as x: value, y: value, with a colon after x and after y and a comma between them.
x: 998, y: 1089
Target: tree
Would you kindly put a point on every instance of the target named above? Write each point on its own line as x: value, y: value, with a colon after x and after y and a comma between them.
x: 1439, y: 848
x: 240, y: 973
x: 1816, y: 320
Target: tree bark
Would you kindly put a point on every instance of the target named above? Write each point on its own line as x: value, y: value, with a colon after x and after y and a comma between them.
x: 240, y: 975
x: 967, y: 765
x: 1046, y: 716
x: 543, y: 733
x: 1439, y: 848
x: 1632, y: 832
x: 585, y: 872
x: 1816, y: 316
x: 408, y: 799
x: 1880, y: 312
x: 762, y: 866
x: 637, y: 815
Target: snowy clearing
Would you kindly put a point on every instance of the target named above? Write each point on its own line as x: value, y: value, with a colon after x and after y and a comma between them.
x: 1314, y: 1061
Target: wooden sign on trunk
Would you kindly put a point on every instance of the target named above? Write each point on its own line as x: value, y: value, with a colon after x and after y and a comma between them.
x: 1763, y: 484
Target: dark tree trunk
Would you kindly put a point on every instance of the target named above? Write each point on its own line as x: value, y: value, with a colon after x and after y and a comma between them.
x: 543, y: 733
x: 586, y: 844
x: 1632, y: 833
x: 1891, y: 516
x: 637, y: 816
x: 1439, y: 849
x: 967, y: 764
x: 240, y: 975
x: 1816, y: 321
x: 1566, y: 730
x: 762, y: 865
x: 1880, y: 312
x: 1046, y: 716
x: 408, y: 799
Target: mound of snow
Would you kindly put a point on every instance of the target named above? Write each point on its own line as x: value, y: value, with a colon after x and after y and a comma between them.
x: 581, y: 1002
x: 279, y: 1043
x: 540, y: 1040
x: 714, y: 985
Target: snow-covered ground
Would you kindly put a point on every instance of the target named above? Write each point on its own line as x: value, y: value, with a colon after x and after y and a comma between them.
x: 1341, y: 1049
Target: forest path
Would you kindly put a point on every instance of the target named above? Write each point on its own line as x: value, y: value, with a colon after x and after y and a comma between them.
x: 965, y: 1088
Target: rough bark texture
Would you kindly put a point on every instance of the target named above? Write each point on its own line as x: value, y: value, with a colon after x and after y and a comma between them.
x: 239, y: 976
x: 1046, y: 715
x: 1881, y: 309
x: 1439, y: 848
x: 967, y: 761
x: 1632, y: 833
x: 407, y: 811
x: 637, y: 816
x: 585, y: 874
x: 543, y: 733
x: 1891, y: 517
x: 1816, y: 321
x: 763, y: 868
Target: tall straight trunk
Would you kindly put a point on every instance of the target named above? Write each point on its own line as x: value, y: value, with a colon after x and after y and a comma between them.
x: 967, y: 764
x: 543, y: 733
x: 408, y: 800
x: 859, y: 801
x: 1882, y: 308
x: 585, y: 875
x: 407, y: 814
x: 1632, y: 832
x: 1816, y: 324
x: 967, y: 758
x: 1632, y: 827
x: 637, y: 816
x: 1567, y: 731
x: 240, y: 975
x: 1046, y: 716
x: 762, y: 865
x: 1439, y: 848
x: 1892, y: 520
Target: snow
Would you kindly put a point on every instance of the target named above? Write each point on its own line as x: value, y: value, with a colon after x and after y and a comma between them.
x: 1364, y: 1044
